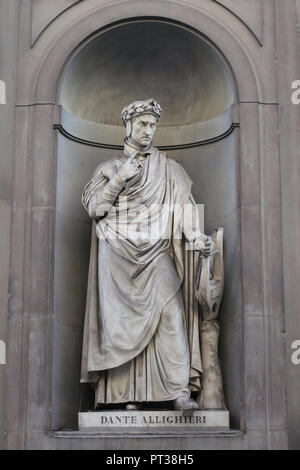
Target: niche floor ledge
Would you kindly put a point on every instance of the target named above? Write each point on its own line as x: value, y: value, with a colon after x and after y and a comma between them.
x: 138, y: 433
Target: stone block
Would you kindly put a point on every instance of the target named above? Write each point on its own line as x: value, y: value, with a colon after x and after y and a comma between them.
x: 251, y: 250
x: 40, y: 253
x: 21, y: 177
x: 279, y: 440
x: 254, y: 370
x: 275, y: 367
x: 250, y: 170
x: 36, y: 394
x: 146, y: 420
x: 20, y: 218
x: 255, y: 439
x: 14, y: 400
x: 271, y: 161
x: 273, y: 278
x: 43, y: 156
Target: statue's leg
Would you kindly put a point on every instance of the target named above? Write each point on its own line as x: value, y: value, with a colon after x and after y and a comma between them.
x: 116, y: 385
x: 172, y: 351
x: 160, y: 372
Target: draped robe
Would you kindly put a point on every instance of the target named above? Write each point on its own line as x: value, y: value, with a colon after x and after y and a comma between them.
x: 136, y: 271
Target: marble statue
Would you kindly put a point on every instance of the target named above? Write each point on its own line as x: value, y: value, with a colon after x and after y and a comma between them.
x: 142, y: 327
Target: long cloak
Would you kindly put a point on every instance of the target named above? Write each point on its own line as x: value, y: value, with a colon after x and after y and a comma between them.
x: 132, y: 273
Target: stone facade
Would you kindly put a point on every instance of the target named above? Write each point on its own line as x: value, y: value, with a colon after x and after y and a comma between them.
x: 259, y: 43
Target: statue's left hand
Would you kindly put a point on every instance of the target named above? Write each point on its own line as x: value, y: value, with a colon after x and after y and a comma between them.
x: 203, y: 244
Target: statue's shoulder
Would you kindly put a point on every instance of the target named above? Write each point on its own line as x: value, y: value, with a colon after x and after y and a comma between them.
x: 177, y: 171
x: 108, y: 168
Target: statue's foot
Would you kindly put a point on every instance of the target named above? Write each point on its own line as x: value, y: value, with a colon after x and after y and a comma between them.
x: 185, y: 404
x: 132, y: 407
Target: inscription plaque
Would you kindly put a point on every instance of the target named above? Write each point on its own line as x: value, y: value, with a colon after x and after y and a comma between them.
x: 97, y: 420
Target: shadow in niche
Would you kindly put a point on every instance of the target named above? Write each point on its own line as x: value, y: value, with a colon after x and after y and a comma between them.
x: 194, y: 87
x: 145, y: 406
x: 87, y: 402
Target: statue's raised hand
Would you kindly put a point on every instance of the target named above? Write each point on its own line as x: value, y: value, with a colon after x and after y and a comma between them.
x: 129, y: 169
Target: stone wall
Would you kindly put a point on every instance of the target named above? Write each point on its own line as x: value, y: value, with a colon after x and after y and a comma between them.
x: 259, y: 42
x: 288, y: 47
x: 8, y: 45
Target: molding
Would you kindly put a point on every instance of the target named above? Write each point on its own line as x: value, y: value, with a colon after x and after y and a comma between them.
x: 36, y: 38
x: 259, y: 40
x: 52, y: 20
x: 77, y: 35
x: 231, y: 433
x: 200, y: 143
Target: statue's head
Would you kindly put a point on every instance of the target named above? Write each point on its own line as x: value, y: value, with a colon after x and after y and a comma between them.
x: 140, y: 118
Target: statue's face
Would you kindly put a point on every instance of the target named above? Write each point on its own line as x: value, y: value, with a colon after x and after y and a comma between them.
x: 143, y: 129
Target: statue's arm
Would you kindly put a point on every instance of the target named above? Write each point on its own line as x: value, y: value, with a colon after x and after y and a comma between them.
x: 190, y: 216
x: 100, y: 193
x: 191, y: 228
x: 191, y: 220
x: 104, y: 196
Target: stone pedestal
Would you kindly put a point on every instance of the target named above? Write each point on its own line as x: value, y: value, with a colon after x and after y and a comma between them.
x: 101, y: 420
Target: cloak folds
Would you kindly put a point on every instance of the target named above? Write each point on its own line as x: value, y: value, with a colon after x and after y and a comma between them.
x: 134, y: 274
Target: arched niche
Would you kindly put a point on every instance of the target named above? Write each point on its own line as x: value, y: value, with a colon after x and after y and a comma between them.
x: 152, y: 57
x: 179, y: 68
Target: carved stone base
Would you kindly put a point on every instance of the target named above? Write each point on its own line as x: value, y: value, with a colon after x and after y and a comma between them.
x: 97, y: 420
